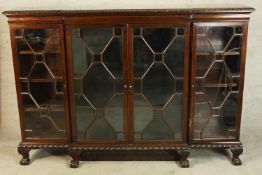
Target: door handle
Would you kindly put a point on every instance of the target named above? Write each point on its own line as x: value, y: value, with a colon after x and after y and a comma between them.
x: 130, y: 86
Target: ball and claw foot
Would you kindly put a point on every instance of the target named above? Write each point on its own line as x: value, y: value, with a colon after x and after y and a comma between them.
x: 74, y: 164
x: 236, y: 161
x: 235, y: 153
x: 24, y: 161
x: 184, y: 163
x: 74, y: 153
x: 24, y: 151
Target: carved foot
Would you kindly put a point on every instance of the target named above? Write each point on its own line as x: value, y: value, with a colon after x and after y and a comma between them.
x: 74, y: 164
x: 24, y: 161
x: 183, y: 158
x: 184, y: 163
x: 24, y: 151
x: 236, y: 161
x: 236, y: 152
x: 74, y: 153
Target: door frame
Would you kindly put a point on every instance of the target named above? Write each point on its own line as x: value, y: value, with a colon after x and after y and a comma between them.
x: 60, y: 27
x: 128, y: 72
x: 218, y: 23
x: 68, y: 28
x: 186, y: 25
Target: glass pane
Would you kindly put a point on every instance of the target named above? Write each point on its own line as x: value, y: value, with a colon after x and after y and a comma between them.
x: 114, y: 114
x: 142, y: 60
x: 172, y: 115
x: 219, y: 37
x: 112, y: 57
x: 174, y: 57
x: 158, y: 83
x: 96, y: 39
x: 143, y: 114
x: 217, y: 81
x: 37, y: 38
x: 157, y: 129
x: 98, y: 83
x: 85, y: 115
x: 158, y: 38
x: 42, y: 92
x: 41, y: 81
x: 80, y: 51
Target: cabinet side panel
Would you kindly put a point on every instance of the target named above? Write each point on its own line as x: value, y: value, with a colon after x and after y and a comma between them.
x: 219, y: 50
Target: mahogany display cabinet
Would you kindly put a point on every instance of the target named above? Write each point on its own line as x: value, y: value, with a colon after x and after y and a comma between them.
x: 119, y: 83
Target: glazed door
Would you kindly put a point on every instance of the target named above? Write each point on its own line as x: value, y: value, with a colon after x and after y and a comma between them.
x: 40, y: 71
x: 99, y: 83
x: 158, y: 90
x: 217, y: 80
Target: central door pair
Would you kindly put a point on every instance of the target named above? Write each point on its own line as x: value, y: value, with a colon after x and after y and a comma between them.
x: 129, y: 82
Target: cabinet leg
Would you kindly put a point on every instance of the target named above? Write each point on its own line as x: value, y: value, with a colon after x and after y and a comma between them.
x: 183, y: 158
x: 74, y: 153
x: 236, y: 152
x: 24, y: 151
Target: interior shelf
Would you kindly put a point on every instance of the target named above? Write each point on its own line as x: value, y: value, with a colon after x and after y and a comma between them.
x: 18, y: 37
x: 29, y: 52
x: 42, y: 80
x: 55, y: 108
x: 34, y: 109
x: 220, y: 85
x: 210, y: 53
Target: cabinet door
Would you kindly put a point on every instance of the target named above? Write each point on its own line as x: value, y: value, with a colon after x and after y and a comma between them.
x: 98, y: 95
x: 41, y: 82
x: 159, y: 78
x: 217, y: 79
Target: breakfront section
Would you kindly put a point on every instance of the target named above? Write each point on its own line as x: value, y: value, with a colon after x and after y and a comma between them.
x: 39, y: 64
x: 219, y: 50
x: 128, y: 92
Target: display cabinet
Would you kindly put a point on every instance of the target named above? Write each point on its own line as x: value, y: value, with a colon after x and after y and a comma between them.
x: 157, y: 81
x: 217, y: 80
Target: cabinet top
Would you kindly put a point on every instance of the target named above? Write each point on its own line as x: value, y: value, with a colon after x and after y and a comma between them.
x: 178, y: 9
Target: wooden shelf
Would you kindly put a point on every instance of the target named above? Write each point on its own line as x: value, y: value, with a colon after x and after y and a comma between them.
x: 220, y: 85
x: 41, y: 80
x: 210, y: 53
x: 29, y: 52
x: 54, y: 108
x: 19, y: 37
